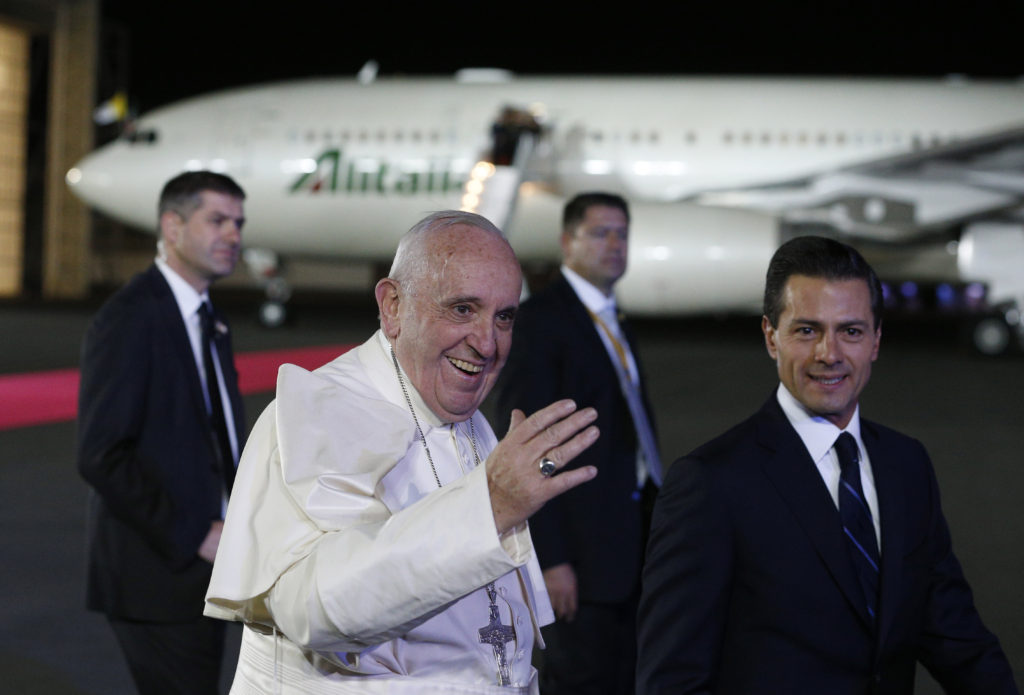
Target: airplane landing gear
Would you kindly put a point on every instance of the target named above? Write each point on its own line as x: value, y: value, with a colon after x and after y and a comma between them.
x: 990, y: 336
x: 995, y: 334
x: 272, y: 314
x: 265, y: 266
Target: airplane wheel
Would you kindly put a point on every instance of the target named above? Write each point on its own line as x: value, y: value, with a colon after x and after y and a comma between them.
x: 279, y: 290
x: 272, y: 314
x: 991, y: 336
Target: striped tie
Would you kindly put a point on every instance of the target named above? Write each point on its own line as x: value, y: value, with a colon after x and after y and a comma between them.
x: 856, y: 518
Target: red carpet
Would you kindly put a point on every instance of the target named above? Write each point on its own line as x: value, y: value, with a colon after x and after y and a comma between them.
x: 39, y: 398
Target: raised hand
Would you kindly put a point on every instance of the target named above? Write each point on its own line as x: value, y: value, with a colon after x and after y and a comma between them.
x: 558, y: 432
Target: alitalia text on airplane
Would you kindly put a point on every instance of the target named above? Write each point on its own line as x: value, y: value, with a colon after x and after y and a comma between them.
x: 333, y: 173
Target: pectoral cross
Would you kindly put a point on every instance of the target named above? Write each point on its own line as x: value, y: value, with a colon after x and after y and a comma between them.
x: 496, y: 635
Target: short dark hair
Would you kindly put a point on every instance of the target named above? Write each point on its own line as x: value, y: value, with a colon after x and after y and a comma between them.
x: 576, y: 209
x: 817, y: 257
x: 181, y: 194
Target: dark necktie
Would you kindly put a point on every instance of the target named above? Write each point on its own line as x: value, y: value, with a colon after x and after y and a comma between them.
x: 217, y: 420
x: 856, y: 516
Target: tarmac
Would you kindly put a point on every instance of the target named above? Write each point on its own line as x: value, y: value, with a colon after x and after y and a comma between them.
x: 704, y: 375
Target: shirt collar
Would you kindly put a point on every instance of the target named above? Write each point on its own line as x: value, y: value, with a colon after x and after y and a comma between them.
x: 592, y: 298
x: 184, y: 294
x: 817, y: 433
x: 424, y: 413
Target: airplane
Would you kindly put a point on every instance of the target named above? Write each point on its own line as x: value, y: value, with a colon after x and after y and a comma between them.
x: 925, y: 177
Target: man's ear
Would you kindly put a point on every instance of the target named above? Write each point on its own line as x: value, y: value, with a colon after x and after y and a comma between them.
x: 171, y: 224
x: 769, y: 337
x: 564, y: 239
x: 388, y: 293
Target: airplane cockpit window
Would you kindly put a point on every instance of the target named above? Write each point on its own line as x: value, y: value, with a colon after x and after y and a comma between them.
x: 146, y: 136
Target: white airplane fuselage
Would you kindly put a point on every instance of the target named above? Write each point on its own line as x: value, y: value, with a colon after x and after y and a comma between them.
x: 339, y: 168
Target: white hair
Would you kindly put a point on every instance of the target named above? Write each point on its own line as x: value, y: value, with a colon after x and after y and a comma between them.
x: 411, y: 258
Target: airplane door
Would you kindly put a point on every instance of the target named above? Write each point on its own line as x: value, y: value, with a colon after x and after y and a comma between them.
x: 231, y: 148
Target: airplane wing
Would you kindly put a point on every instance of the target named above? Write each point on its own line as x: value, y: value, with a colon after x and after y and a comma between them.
x: 901, y: 198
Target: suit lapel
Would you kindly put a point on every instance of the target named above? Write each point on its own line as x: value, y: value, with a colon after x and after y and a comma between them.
x: 176, y: 336
x: 795, y: 477
x: 888, y: 482
x: 593, y: 348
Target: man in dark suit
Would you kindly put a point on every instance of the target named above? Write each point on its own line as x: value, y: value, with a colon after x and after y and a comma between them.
x: 805, y: 550
x: 570, y: 342
x: 158, y: 447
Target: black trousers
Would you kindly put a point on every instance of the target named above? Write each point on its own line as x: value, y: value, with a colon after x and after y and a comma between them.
x: 172, y: 658
x: 595, y: 654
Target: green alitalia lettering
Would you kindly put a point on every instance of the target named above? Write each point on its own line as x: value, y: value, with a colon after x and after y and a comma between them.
x: 381, y: 176
x: 313, y: 180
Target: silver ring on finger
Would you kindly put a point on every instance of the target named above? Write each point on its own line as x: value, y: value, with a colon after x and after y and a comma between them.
x: 547, y: 467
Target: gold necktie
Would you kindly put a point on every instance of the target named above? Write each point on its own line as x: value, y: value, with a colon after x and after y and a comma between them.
x: 619, y: 350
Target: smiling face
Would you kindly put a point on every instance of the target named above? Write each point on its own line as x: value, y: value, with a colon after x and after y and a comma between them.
x: 824, y: 344
x: 451, y: 326
x: 205, y: 246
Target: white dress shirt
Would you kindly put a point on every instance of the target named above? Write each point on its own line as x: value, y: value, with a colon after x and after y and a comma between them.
x: 189, y: 302
x: 819, y: 436
x: 605, y: 307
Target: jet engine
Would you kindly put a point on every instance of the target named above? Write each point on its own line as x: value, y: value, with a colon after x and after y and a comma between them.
x: 993, y: 252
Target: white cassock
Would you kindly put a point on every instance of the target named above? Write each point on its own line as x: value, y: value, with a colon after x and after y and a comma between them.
x: 352, y: 570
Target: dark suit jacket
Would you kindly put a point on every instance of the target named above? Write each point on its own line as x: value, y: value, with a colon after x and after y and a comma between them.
x: 146, y: 447
x: 597, y: 527
x: 748, y: 587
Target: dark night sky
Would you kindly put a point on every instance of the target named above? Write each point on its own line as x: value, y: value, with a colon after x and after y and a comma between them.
x: 189, y: 47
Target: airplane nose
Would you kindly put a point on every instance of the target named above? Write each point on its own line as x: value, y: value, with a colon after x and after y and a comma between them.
x: 116, y: 181
x: 90, y: 178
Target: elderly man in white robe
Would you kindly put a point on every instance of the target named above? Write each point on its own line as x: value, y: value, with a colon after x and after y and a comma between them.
x: 376, y: 539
